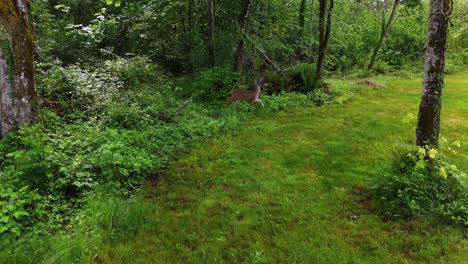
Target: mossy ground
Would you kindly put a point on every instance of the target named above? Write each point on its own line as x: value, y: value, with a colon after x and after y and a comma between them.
x: 287, y: 188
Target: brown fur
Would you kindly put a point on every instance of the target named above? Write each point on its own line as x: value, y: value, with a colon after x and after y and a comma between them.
x: 250, y: 96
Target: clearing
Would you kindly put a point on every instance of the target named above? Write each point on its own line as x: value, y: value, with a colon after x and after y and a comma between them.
x: 287, y: 188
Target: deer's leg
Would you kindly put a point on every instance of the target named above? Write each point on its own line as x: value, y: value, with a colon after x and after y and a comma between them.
x: 261, y: 102
x: 227, y: 100
x: 251, y: 106
x: 234, y: 106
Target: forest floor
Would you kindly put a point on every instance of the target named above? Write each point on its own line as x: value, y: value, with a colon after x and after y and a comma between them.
x: 289, y: 188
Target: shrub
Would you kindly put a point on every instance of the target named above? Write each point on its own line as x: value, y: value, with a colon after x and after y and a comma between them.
x: 21, y: 207
x: 273, y: 82
x: 87, y: 92
x: 214, y: 84
x: 422, y: 184
x: 134, y: 72
x: 302, y: 77
x: 53, y: 170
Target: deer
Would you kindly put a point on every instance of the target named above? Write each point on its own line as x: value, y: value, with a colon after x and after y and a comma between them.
x: 250, y: 96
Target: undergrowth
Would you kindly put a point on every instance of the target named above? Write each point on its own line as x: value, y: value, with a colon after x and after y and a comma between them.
x: 423, y: 185
x: 114, y: 125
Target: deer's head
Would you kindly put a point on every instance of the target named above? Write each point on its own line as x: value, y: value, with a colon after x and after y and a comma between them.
x: 259, y: 83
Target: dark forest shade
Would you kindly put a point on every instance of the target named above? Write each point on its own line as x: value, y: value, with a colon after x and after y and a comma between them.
x: 211, y: 29
x: 427, y: 131
x: 16, y: 65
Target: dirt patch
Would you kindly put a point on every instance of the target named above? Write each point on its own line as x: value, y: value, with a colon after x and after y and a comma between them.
x: 370, y: 84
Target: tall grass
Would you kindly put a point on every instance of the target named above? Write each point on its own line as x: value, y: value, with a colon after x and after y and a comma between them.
x: 104, y: 219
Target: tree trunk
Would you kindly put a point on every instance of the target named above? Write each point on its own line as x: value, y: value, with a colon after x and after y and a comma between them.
x: 311, y: 27
x: 211, y: 28
x: 324, y: 36
x: 190, y: 35
x: 384, y: 33
x: 239, y: 57
x: 16, y: 65
x: 427, y: 131
x: 301, y: 20
x: 299, y: 35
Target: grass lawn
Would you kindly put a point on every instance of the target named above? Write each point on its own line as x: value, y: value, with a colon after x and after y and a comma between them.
x: 287, y: 188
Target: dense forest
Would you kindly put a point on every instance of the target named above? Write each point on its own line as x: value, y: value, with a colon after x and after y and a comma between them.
x: 248, y: 131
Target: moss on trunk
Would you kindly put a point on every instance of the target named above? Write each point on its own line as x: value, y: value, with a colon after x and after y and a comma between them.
x: 17, y: 64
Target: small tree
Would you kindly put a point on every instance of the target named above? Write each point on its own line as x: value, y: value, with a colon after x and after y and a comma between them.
x: 427, y: 131
x: 385, y: 28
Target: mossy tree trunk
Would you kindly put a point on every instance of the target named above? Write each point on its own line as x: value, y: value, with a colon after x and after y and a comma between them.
x: 16, y: 65
x: 324, y: 36
x: 427, y: 131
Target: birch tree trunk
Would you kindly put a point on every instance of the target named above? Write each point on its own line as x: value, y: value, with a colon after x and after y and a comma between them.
x: 427, y: 131
x: 16, y: 65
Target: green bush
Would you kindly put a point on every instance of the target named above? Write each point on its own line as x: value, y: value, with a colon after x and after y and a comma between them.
x: 134, y: 72
x: 422, y: 185
x: 214, y: 84
x: 21, y: 207
x: 53, y: 169
x: 273, y: 82
x: 302, y: 77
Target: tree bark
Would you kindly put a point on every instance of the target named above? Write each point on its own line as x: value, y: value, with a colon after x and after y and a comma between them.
x: 311, y: 27
x: 16, y: 65
x: 190, y: 35
x: 427, y: 130
x: 384, y: 33
x: 299, y: 35
x: 211, y: 29
x: 324, y: 36
x: 239, y: 57
x: 301, y: 20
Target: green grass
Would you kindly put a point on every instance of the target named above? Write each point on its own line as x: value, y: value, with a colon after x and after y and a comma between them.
x: 287, y: 188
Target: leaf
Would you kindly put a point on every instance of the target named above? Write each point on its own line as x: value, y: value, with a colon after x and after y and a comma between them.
x: 432, y: 153
x: 109, y: 2
x: 443, y: 173
x: 409, y: 118
x: 117, y: 3
x: 17, y: 214
x: 420, y: 164
x: 457, y: 143
x: 5, y: 219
